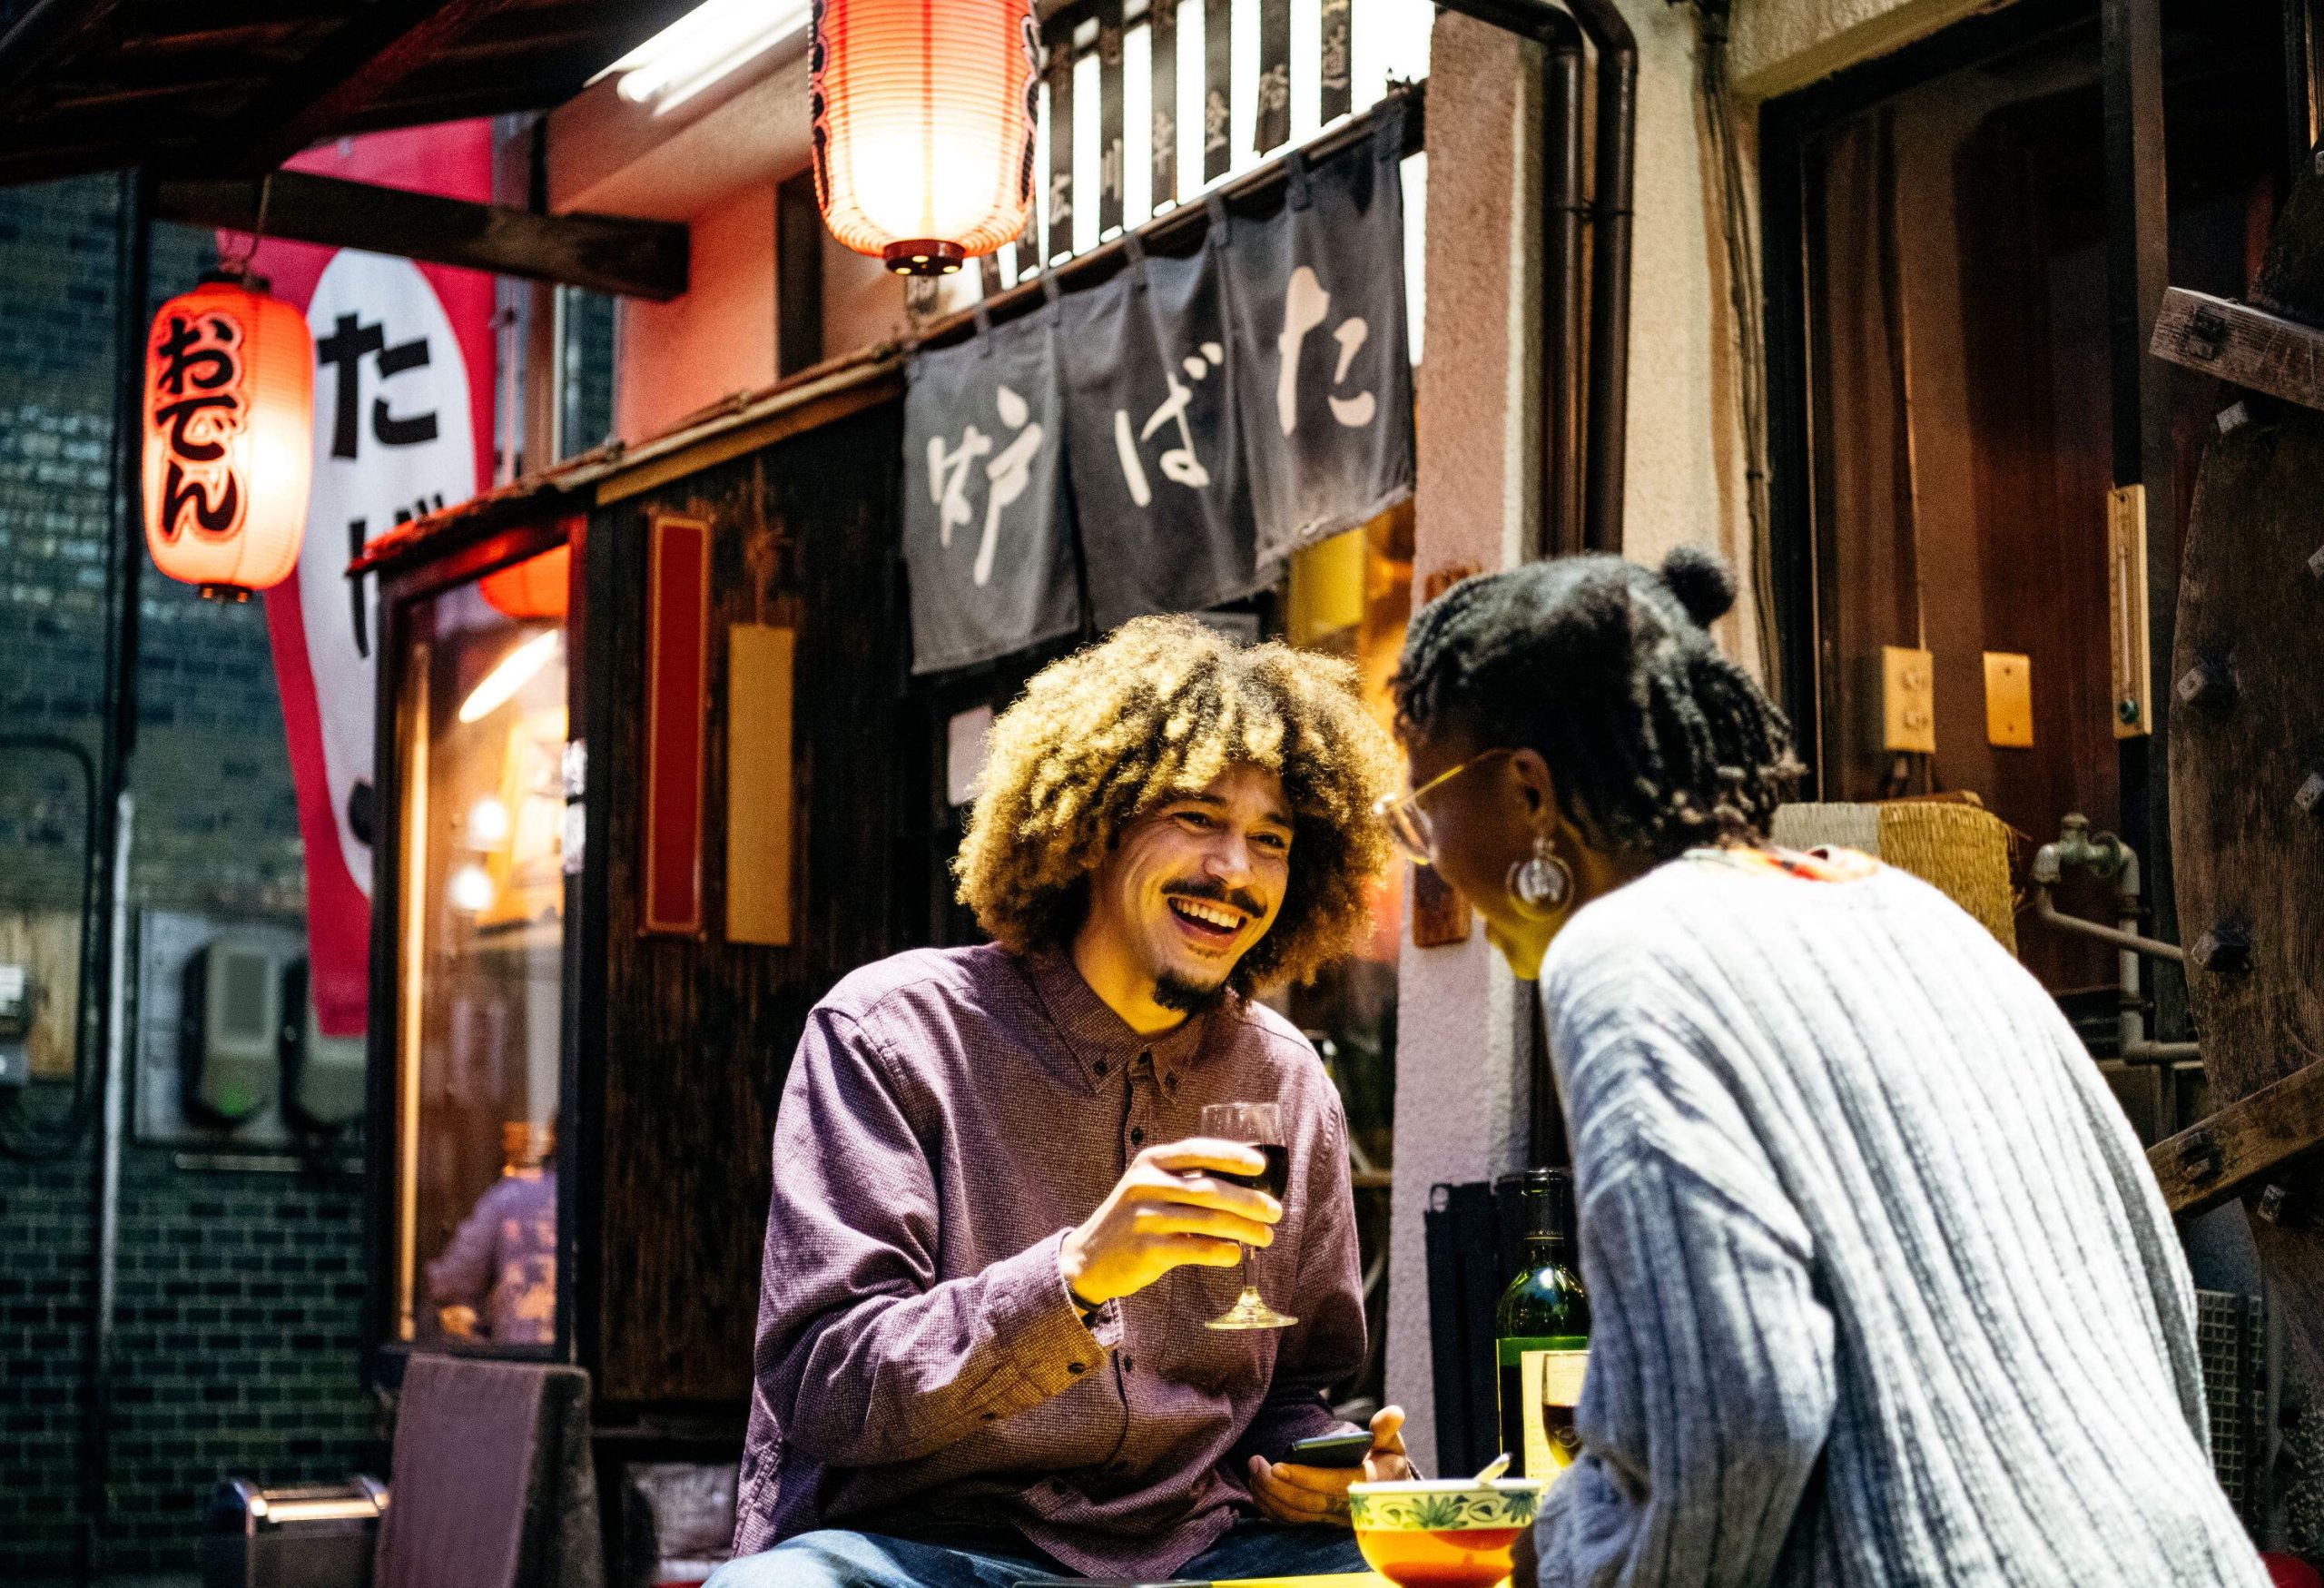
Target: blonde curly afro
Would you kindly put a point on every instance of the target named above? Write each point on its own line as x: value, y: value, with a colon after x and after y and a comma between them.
x: 1160, y: 708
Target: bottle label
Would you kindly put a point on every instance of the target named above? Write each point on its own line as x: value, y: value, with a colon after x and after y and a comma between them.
x: 1549, y: 1388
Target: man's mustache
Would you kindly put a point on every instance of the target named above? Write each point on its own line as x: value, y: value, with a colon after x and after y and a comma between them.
x: 1218, y: 893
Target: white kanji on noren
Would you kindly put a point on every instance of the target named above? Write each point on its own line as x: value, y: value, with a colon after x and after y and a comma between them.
x: 1009, y: 471
x: 1178, y: 463
x: 947, y: 478
x: 1306, y: 305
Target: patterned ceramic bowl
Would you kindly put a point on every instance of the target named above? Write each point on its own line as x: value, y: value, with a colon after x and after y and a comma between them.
x: 1450, y: 1534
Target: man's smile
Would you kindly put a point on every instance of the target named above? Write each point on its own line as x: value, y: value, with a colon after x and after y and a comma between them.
x: 1206, y: 924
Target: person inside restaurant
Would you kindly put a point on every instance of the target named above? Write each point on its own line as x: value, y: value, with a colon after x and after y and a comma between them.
x: 495, y: 1280
x: 1882, y: 1290
x: 1061, y: 1257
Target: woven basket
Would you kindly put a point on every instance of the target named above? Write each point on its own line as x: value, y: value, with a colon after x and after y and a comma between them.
x: 1958, y: 848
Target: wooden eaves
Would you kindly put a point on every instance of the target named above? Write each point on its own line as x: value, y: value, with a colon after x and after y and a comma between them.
x: 195, y: 93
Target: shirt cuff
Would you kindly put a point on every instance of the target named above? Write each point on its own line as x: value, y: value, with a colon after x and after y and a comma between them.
x: 1104, y: 1320
x: 1048, y: 1349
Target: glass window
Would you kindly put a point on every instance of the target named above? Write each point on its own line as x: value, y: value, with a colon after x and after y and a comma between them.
x: 480, y: 726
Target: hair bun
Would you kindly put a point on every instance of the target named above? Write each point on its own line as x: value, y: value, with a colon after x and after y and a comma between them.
x: 1702, y: 581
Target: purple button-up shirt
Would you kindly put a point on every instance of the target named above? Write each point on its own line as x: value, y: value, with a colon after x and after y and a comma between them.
x: 950, y: 1115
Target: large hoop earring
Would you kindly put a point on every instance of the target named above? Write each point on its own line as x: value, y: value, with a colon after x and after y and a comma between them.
x: 1541, y: 885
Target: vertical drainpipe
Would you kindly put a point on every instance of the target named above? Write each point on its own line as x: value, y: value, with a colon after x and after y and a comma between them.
x: 1604, y: 427
x: 109, y: 1043
x: 1609, y: 271
x: 1564, y: 209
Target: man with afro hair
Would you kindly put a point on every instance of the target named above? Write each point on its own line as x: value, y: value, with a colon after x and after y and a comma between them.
x: 998, y: 1233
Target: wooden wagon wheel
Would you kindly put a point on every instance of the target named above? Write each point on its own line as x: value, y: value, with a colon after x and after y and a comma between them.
x: 2247, y: 764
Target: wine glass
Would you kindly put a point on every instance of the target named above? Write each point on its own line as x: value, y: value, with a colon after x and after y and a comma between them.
x: 1258, y: 1126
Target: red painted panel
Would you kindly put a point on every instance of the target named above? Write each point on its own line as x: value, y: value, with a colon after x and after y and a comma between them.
x: 677, y: 703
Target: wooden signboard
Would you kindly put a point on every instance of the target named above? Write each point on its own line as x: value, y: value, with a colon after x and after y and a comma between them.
x: 677, y: 706
x: 2245, y: 725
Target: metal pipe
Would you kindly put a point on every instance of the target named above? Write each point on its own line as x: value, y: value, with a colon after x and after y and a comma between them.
x: 2046, y: 909
x: 2111, y: 860
x: 1564, y: 209
x: 99, y: 1438
x: 1609, y: 271
x: 1573, y: 430
x: 131, y: 287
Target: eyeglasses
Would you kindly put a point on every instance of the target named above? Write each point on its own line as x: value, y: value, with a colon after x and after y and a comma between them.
x: 1408, y: 824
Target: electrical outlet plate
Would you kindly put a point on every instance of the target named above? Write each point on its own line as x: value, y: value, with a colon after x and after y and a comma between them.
x: 1908, y: 699
x: 2009, y: 700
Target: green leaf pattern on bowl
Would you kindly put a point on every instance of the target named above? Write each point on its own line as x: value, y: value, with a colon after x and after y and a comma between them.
x: 1445, y: 1512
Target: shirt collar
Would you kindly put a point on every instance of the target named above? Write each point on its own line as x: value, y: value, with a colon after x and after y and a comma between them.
x: 1099, y: 1040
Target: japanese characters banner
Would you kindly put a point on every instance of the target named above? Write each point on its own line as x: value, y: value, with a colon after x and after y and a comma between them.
x: 987, y: 533
x: 1322, y: 368
x: 403, y: 426
x: 1150, y: 438
x: 1211, y: 414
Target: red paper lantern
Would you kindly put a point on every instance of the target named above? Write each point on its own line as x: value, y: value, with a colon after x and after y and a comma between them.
x: 924, y: 112
x: 534, y: 588
x: 230, y: 399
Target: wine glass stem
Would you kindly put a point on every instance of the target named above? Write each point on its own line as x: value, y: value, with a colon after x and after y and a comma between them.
x: 1250, y: 1272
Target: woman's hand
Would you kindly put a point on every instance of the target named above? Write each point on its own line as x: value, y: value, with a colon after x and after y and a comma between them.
x: 1305, y: 1496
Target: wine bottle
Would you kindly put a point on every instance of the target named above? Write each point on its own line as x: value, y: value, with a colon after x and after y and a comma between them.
x: 1543, y: 1334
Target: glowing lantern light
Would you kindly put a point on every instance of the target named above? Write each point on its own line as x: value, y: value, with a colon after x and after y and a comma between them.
x: 535, y: 587
x: 924, y: 112
x: 230, y: 399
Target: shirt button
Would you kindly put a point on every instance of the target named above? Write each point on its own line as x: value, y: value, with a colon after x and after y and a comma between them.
x: 1136, y: 1135
x: 1077, y: 1368
x: 1100, y: 1067
x: 1128, y: 1365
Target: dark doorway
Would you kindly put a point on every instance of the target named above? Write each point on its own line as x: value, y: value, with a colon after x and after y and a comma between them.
x: 1940, y: 345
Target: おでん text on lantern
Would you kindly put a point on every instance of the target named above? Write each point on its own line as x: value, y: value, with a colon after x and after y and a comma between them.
x: 230, y: 383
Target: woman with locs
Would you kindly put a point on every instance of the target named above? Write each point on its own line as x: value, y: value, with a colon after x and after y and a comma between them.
x: 1883, y: 1290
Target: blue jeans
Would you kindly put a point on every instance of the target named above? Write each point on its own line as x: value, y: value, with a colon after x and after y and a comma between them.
x: 835, y: 1558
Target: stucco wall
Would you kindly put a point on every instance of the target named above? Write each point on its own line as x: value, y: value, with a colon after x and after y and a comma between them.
x: 716, y: 340
x: 1782, y: 44
x: 1460, y: 1104
x: 1684, y: 479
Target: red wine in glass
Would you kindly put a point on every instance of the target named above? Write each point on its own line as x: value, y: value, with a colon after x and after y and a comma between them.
x: 1258, y: 1126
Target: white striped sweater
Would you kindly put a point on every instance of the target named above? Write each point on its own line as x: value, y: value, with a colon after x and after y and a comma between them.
x: 1883, y: 1290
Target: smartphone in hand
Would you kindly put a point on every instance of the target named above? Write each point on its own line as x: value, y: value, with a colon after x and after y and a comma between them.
x: 1340, y: 1452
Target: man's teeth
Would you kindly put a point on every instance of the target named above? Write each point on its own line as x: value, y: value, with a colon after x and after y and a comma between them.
x: 1209, y: 915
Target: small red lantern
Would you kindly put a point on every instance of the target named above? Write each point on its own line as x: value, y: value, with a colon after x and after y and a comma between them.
x: 230, y: 399
x: 924, y: 113
x: 534, y: 588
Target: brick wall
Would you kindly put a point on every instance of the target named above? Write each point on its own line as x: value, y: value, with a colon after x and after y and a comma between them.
x: 239, y: 1293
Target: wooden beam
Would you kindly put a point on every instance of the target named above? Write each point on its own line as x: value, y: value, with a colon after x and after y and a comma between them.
x: 605, y: 253
x: 364, y: 58
x: 363, y: 65
x: 2210, y: 1163
x: 39, y: 33
x: 2242, y: 345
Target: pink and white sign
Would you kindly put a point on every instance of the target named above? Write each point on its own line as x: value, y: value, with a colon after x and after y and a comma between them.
x: 403, y: 426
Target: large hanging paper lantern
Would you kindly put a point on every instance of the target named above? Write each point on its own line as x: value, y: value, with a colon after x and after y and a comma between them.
x: 230, y: 399
x: 924, y: 112
x: 534, y: 588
